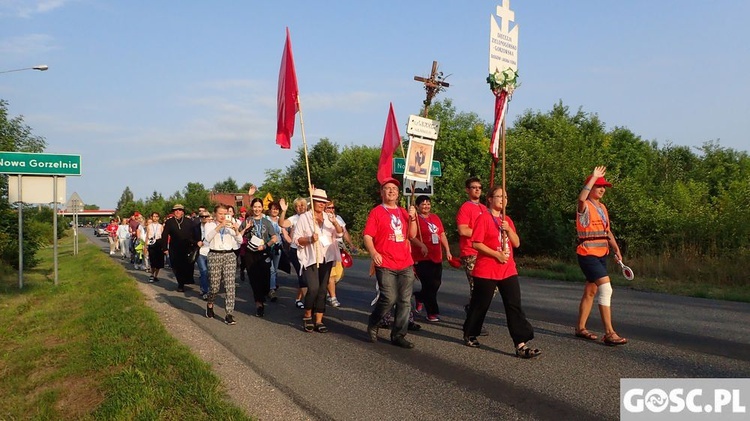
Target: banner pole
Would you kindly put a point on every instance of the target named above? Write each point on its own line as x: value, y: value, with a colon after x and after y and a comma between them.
x: 309, y: 182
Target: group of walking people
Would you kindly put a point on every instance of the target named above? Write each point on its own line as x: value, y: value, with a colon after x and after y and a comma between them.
x: 402, y: 244
x: 487, y: 239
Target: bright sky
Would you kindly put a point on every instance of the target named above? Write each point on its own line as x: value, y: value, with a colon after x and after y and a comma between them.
x: 156, y: 94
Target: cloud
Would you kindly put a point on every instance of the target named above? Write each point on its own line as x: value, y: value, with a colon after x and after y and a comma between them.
x: 31, y: 44
x: 345, y: 101
x: 27, y: 8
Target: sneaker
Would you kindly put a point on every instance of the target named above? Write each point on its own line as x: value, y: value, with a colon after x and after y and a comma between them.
x: 111, y: 253
x: 433, y: 318
x: 402, y: 342
x: 372, y: 333
x: 210, y: 312
x: 156, y: 279
x: 229, y: 319
x: 259, y: 311
x: 150, y: 279
x: 471, y: 342
x: 204, y: 297
x: 300, y: 305
x: 335, y: 302
x: 272, y: 295
x: 419, y: 306
x: 414, y: 326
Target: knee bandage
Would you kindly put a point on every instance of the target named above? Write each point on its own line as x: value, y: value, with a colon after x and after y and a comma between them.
x: 604, y: 295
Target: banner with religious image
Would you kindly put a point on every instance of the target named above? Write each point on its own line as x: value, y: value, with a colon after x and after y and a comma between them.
x: 419, y: 159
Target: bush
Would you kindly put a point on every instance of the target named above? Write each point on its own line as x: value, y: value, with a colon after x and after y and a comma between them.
x: 36, y: 234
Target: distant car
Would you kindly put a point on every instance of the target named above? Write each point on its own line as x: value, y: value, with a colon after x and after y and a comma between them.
x: 101, y: 230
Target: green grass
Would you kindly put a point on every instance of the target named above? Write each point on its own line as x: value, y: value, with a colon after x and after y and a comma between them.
x: 90, y: 348
x: 676, y: 277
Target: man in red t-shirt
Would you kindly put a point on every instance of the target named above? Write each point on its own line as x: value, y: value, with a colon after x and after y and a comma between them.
x: 386, y: 236
x: 112, y: 235
x: 465, y: 221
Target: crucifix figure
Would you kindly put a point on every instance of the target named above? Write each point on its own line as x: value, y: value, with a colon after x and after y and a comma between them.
x: 434, y: 84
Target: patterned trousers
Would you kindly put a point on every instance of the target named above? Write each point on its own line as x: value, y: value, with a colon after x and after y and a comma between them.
x: 222, y: 267
x: 469, y: 262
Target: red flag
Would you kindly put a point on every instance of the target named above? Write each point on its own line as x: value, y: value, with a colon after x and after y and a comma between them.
x: 391, y: 140
x: 287, y: 99
x: 501, y: 106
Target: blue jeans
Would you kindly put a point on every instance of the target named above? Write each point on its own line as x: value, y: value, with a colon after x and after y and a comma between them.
x: 203, y: 270
x: 395, y: 289
x: 275, y: 257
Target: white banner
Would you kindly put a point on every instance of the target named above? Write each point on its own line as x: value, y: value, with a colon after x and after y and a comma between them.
x: 503, y: 40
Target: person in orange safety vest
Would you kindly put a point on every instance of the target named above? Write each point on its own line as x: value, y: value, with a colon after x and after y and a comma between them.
x: 595, y: 241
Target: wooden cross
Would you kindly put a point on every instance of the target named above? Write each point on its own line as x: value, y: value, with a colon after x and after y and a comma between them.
x: 432, y: 85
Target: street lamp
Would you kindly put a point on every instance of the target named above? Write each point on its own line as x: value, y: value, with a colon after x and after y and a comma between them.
x: 41, y: 68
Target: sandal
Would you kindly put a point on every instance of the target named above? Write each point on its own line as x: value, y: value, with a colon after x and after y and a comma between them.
x: 307, y: 324
x: 527, y: 353
x: 321, y: 328
x: 613, y: 339
x: 585, y: 334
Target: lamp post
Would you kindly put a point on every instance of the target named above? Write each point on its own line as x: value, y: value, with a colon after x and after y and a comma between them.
x: 41, y: 68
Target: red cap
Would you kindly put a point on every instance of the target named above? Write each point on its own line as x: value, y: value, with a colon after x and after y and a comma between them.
x: 243, y: 209
x: 389, y: 180
x: 346, y: 259
x: 601, y: 181
x: 455, y: 262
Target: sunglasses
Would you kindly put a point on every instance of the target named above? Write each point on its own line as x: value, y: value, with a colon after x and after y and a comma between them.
x: 330, y: 207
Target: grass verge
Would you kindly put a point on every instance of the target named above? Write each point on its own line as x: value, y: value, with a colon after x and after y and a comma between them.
x: 90, y: 348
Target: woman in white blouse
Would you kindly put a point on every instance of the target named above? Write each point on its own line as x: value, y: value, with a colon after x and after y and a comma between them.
x: 315, y: 235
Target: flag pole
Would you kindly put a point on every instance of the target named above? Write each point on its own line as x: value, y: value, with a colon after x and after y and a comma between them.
x: 309, y: 182
x: 502, y: 214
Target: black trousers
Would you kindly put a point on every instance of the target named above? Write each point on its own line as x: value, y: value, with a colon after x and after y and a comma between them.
x: 481, y: 297
x: 317, y: 286
x: 182, y: 267
x: 258, y: 273
x: 430, y: 275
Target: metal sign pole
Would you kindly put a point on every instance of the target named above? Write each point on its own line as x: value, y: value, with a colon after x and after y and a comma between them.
x: 75, y: 230
x: 20, y: 234
x: 54, y: 225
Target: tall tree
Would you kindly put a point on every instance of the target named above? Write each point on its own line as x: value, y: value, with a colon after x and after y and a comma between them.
x: 322, y: 156
x: 196, y: 195
x: 126, y: 199
x: 227, y: 186
x: 16, y: 136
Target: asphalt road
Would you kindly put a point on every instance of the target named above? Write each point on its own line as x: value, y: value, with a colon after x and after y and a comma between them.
x: 341, y: 375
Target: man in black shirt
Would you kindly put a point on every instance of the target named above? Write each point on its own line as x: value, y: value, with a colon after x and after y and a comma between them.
x: 179, y: 238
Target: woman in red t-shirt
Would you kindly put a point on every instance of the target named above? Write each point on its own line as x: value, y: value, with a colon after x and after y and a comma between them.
x: 496, y: 268
x: 428, y: 257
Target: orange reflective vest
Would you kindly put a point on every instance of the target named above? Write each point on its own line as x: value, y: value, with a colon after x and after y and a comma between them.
x: 593, y: 240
